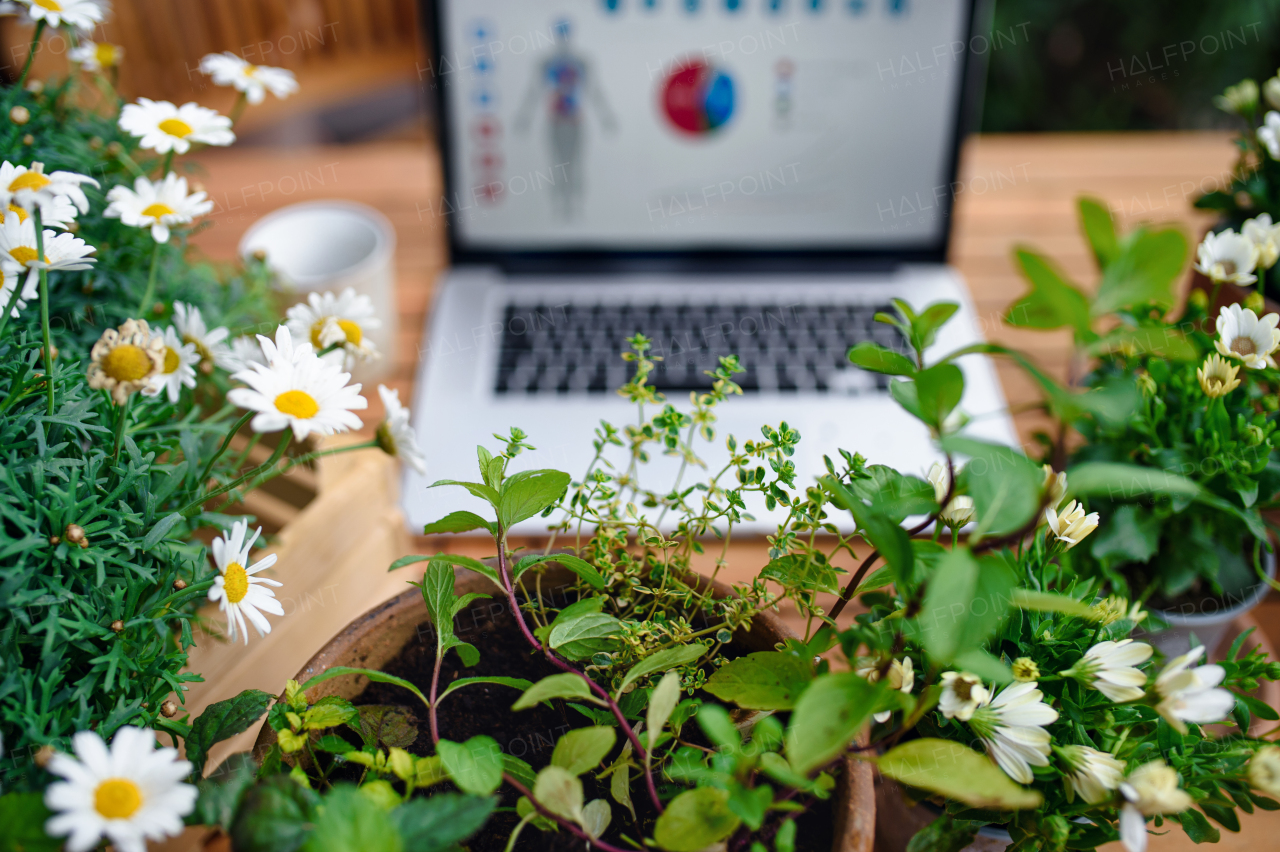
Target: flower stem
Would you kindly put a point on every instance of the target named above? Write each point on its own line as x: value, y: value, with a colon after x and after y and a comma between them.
x: 226, y: 442
x: 150, y: 292
x: 31, y: 55
x: 188, y: 510
x: 168, y: 164
x: 573, y: 828
x: 11, y: 305
x: 44, y: 306
x: 238, y: 109
x: 120, y: 426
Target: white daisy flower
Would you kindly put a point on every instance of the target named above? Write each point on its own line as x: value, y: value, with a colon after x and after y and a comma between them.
x: 1191, y: 694
x: 129, y: 794
x: 396, y: 436
x: 124, y: 360
x: 297, y: 390
x: 1227, y: 256
x: 328, y: 320
x: 1266, y: 238
x: 30, y: 292
x: 1112, y: 669
x: 96, y: 57
x: 1092, y: 775
x: 255, y: 81
x: 962, y: 693
x: 243, y: 351
x: 1269, y: 134
x: 1242, y: 335
x: 1264, y: 770
x: 156, y: 205
x: 902, y: 677
x: 240, y: 594
x: 24, y: 189
x: 1149, y: 790
x: 18, y: 249
x: 1055, y: 486
x: 1072, y: 525
x: 84, y: 15
x: 180, y: 360
x: 210, y: 343
x: 163, y: 127
x: 1011, y: 726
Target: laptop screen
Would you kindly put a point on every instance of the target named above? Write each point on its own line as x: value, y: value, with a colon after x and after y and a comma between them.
x: 703, y: 125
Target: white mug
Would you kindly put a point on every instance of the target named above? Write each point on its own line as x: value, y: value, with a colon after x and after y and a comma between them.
x: 332, y: 245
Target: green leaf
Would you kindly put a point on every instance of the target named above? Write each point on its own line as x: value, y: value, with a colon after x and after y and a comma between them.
x: 719, y: 728
x: 663, y: 700
x: 1144, y: 271
x: 1053, y: 302
x: 372, y: 674
x: 1004, y: 484
x: 564, y: 685
x: 957, y: 772
x: 453, y: 559
x: 984, y: 665
x: 882, y: 531
x: 160, y: 530
x: 387, y: 725
x: 276, y: 815
x: 513, y: 682
x: 1049, y: 602
x: 478, y: 489
x: 459, y: 522
x: 1160, y: 341
x: 938, y: 392
x: 596, y: 817
x: 583, y: 749
x: 441, y: 821
x: 519, y: 770
x: 586, y: 634
x: 827, y: 717
x: 329, y: 712
x: 695, y: 820
x: 1130, y: 533
x: 1099, y: 229
x: 527, y: 493
x: 964, y: 603
x: 443, y: 605
x: 351, y: 820
x: 475, y: 766
x: 220, y: 793
x: 23, y: 816
x: 1261, y: 709
x: 766, y: 680
x: 924, y: 328
x: 1120, y: 482
x: 750, y: 804
x: 669, y: 659
x: 1198, y: 828
x: 904, y: 393
x: 584, y: 569
x: 560, y: 792
x: 879, y: 359
x: 223, y: 720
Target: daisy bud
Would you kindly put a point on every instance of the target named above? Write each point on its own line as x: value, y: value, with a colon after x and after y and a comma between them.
x: 260, y: 255
x: 95, y: 143
x: 1255, y: 302
x: 1199, y: 299
x: 168, y: 709
x: 179, y: 585
x: 1025, y: 669
x: 1253, y: 435
x: 1217, y: 377
x: 114, y: 149
x: 1264, y: 770
x: 1072, y: 525
x: 44, y: 754
x: 1243, y: 200
x: 28, y: 139
x: 117, y: 626
x: 35, y: 87
x: 19, y: 115
x: 1146, y: 384
x: 53, y: 539
x: 53, y: 350
x: 74, y: 533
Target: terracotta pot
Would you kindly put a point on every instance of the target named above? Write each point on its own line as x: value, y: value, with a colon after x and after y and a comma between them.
x: 375, y: 638
x: 897, y: 821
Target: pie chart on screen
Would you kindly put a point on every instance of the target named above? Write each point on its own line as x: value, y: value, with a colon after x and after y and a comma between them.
x: 698, y: 98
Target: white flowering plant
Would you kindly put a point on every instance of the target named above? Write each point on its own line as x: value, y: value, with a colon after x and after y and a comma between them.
x: 1175, y: 392
x: 131, y: 405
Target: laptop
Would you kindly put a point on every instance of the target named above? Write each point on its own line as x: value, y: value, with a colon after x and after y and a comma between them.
x: 755, y: 177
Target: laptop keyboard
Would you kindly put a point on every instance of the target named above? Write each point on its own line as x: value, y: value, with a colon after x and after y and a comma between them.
x: 575, y: 348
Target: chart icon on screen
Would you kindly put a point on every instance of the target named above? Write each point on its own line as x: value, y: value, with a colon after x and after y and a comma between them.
x: 698, y: 98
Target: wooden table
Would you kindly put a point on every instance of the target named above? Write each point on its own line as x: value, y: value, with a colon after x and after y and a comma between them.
x: 1013, y: 189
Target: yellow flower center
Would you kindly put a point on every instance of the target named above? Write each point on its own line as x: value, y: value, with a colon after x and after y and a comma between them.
x: 296, y: 403
x: 176, y: 127
x: 23, y: 254
x: 29, y: 180
x: 157, y: 210
x: 235, y: 582
x: 107, y: 55
x: 127, y: 363
x: 351, y: 329
x: 1243, y: 346
x: 201, y: 349
x: 115, y: 798
x: 171, y: 360
x: 22, y: 214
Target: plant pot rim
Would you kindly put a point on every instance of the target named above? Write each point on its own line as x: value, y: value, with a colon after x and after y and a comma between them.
x: 1246, y: 601
x: 854, y: 802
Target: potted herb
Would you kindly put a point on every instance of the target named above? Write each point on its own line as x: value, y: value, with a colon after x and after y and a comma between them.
x: 1192, y: 395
